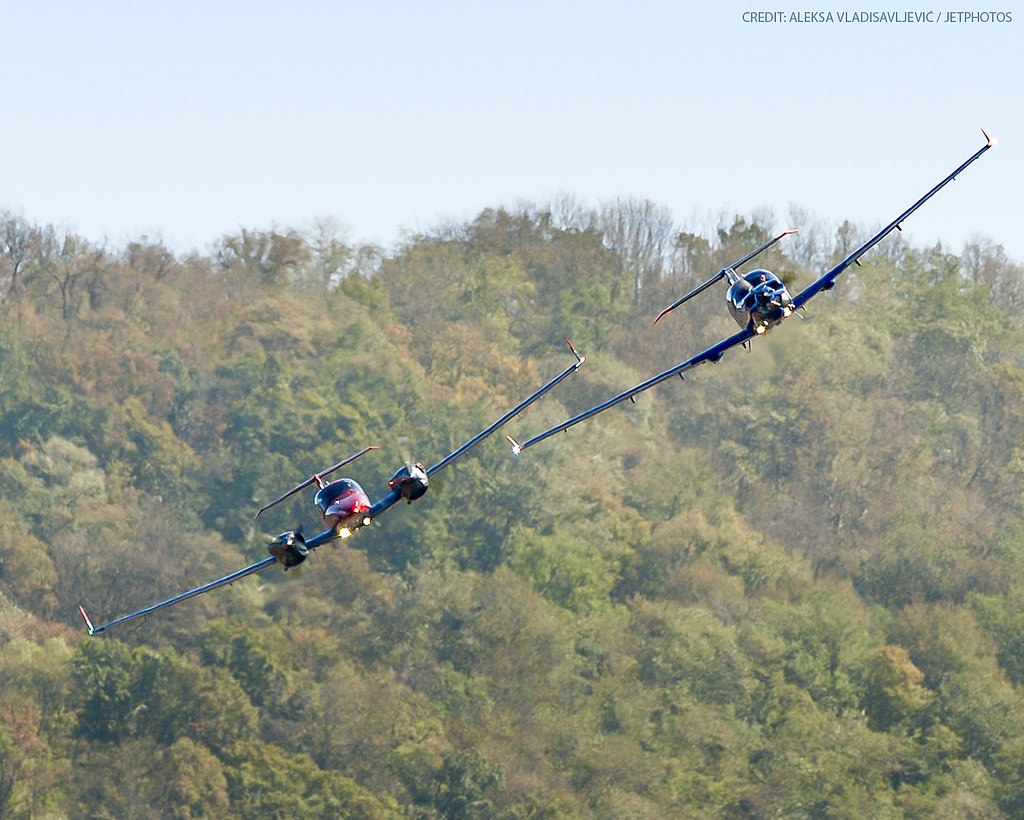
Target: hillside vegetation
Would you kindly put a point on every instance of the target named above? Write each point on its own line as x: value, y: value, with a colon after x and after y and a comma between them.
x: 791, y: 585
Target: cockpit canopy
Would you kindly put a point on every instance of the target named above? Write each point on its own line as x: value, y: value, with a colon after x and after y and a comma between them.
x: 335, y: 490
x: 759, y: 275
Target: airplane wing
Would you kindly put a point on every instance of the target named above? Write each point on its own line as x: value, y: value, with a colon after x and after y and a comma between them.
x: 177, y: 599
x: 712, y: 354
x: 395, y: 495
x: 828, y: 281
x: 448, y: 459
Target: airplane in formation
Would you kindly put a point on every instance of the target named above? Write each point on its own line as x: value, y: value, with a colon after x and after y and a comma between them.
x: 758, y: 301
x: 344, y: 507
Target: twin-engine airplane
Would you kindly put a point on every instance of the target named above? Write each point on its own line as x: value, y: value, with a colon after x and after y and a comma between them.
x: 758, y: 301
x: 344, y: 508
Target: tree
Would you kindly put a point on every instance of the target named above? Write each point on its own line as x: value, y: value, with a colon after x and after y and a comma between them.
x: 269, y: 258
x: 462, y: 783
x: 332, y: 257
x: 566, y: 571
x: 894, y: 695
x: 642, y: 235
x: 19, y: 249
x: 70, y: 264
x: 26, y: 570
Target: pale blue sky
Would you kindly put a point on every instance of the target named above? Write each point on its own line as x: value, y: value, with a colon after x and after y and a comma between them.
x: 189, y: 120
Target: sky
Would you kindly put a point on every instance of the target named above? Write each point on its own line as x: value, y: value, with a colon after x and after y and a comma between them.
x: 187, y: 121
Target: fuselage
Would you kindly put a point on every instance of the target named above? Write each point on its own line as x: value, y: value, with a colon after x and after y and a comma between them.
x: 758, y: 300
x: 343, y: 505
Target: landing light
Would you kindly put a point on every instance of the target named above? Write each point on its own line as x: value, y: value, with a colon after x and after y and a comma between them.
x: 787, y: 311
x: 344, y: 532
x: 760, y: 329
x: 367, y: 521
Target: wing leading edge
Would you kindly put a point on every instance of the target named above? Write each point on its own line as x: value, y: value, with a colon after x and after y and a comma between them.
x: 712, y: 354
x: 828, y: 280
x: 252, y: 569
x: 511, y: 413
x: 394, y: 496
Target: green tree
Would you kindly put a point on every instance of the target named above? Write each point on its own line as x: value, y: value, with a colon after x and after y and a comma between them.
x: 462, y: 783
x: 894, y: 695
x: 568, y: 572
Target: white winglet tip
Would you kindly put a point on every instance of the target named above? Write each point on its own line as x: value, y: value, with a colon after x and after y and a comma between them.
x: 517, y: 448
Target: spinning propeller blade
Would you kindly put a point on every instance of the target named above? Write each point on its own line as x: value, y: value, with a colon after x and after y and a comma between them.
x: 404, y: 451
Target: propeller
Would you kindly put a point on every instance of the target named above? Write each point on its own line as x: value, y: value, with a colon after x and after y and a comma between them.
x: 403, y: 450
x: 289, y: 548
x: 767, y: 295
x: 411, y: 482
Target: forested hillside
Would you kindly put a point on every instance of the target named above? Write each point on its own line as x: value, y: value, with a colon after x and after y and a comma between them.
x: 790, y: 586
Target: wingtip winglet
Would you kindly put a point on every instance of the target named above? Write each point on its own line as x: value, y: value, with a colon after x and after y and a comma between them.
x: 579, y: 359
x: 85, y: 617
x: 517, y: 448
x: 789, y: 232
x: 990, y: 142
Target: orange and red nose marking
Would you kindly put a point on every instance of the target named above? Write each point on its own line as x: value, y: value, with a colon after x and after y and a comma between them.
x: 346, y: 507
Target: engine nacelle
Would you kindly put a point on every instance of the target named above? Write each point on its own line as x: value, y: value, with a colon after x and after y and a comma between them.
x: 289, y: 548
x: 411, y: 482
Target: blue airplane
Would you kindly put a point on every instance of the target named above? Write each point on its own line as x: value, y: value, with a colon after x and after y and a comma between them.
x: 344, y: 508
x: 758, y: 301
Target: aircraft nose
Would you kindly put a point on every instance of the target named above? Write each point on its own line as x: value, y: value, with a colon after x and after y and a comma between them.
x: 348, y: 505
